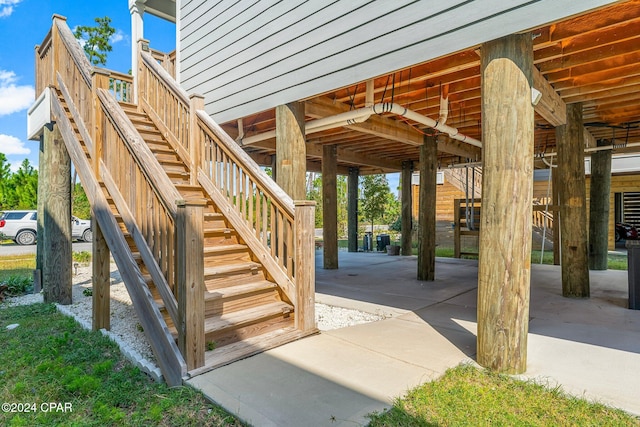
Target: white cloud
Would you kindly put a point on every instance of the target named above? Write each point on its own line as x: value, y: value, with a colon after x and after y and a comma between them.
x: 11, y: 145
x: 118, y: 36
x: 14, y: 98
x: 6, y: 7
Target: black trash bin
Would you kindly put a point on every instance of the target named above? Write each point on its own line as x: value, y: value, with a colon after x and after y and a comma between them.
x: 367, y: 244
x: 382, y: 240
x: 633, y: 261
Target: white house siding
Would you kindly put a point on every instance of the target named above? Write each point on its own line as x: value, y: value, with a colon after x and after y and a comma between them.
x: 247, y: 56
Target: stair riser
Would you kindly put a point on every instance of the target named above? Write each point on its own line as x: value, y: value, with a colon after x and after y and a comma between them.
x: 223, y: 281
x: 215, y: 260
x: 225, y: 337
x: 229, y: 305
x: 215, y: 240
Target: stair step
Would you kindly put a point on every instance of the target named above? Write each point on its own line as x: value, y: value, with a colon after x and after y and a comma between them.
x: 223, y: 270
x: 248, y: 347
x: 238, y: 290
x: 223, y: 249
x: 249, y: 316
x: 219, y: 231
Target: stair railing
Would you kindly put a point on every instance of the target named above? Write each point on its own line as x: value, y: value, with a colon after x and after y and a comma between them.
x: 145, y: 197
x: 278, y: 231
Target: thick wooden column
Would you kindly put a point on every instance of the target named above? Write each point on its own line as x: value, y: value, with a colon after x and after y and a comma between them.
x: 405, y: 217
x: 555, y: 193
x: 291, y: 152
x: 352, y: 209
x: 507, y: 191
x: 600, y: 190
x: 101, y: 279
x: 427, y: 209
x: 573, y: 209
x: 42, y: 194
x: 329, y: 207
x: 56, y: 274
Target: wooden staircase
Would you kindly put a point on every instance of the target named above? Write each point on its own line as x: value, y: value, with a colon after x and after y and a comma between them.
x: 217, y: 259
x: 241, y: 301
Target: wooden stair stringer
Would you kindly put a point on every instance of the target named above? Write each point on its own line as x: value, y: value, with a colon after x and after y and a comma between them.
x: 172, y: 364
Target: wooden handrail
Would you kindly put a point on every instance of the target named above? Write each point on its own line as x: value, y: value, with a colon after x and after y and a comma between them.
x: 171, y: 362
x: 240, y: 156
x: 73, y: 47
x: 143, y: 156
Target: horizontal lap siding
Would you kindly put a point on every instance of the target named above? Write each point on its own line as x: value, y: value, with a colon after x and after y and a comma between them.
x: 246, y: 56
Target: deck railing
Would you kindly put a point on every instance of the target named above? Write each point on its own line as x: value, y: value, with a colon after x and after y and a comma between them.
x: 260, y: 211
x: 117, y: 157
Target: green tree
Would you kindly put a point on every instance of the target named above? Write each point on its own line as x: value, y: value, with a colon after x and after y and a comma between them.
x: 5, y: 175
x: 96, y: 40
x: 81, y: 207
x: 377, y: 198
x: 23, y: 187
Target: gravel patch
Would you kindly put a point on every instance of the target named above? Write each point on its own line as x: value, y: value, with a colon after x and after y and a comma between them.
x: 125, y: 327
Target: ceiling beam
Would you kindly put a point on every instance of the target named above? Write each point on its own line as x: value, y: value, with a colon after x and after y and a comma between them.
x: 384, y: 127
x: 551, y: 107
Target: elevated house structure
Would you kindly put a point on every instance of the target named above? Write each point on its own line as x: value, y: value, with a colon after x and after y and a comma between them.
x: 218, y: 255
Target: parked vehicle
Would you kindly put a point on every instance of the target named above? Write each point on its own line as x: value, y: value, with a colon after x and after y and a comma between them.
x: 626, y: 232
x: 21, y: 227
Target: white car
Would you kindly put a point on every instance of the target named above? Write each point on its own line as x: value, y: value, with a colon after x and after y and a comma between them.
x: 21, y: 226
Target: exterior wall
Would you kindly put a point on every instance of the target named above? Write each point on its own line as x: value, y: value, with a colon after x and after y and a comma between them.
x: 445, y: 195
x: 246, y: 56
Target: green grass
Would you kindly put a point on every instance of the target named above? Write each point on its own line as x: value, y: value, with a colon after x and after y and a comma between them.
x: 17, y: 265
x: 466, y: 396
x: 50, y: 358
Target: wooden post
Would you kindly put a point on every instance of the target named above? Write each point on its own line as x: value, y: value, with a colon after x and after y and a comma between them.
x: 42, y: 194
x: 305, y: 265
x: 99, y: 80
x: 507, y: 192
x: 196, y: 102
x: 330, y: 207
x: 140, y: 78
x: 405, y: 217
x: 599, y: 208
x: 56, y: 274
x: 573, y: 210
x: 101, y: 279
x: 190, y: 280
x: 427, y: 209
x: 291, y: 151
x: 557, y: 226
x: 457, y: 251
x: 352, y: 209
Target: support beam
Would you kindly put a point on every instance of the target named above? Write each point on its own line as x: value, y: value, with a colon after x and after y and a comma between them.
x: 551, y: 107
x: 329, y: 208
x: 101, y: 280
x: 56, y: 274
x: 385, y: 127
x: 505, y: 226
x: 405, y: 219
x: 352, y: 209
x: 427, y: 209
x: 600, y: 190
x: 291, y: 149
x: 573, y: 210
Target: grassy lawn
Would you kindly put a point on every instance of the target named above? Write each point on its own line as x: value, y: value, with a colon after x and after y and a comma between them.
x: 51, y: 358
x: 466, y: 396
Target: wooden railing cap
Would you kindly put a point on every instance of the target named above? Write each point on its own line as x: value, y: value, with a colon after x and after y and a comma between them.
x: 60, y: 17
x: 103, y: 71
x: 304, y: 203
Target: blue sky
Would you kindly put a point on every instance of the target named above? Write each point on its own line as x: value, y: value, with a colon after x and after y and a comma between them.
x: 23, y: 25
